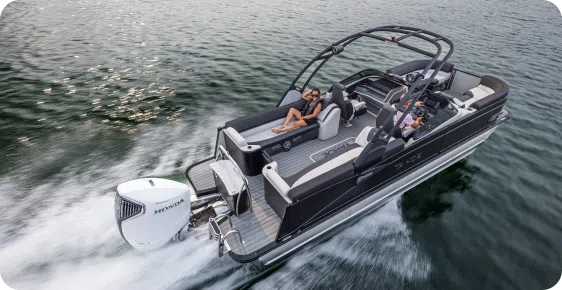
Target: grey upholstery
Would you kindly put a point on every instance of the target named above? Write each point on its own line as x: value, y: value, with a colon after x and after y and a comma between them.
x: 280, y: 191
x: 338, y: 99
x: 329, y: 121
x: 385, y: 112
x: 396, y: 94
x: 350, y: 108
x: 291, y: 97
x: 368, y: 132
x: 302, y: 184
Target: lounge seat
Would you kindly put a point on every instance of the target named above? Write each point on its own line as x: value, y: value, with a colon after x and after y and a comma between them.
x: 281, y: 191
x: 247, y: 137
x: 489, y: 90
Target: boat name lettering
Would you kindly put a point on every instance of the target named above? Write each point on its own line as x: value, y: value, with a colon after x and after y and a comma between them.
x: 157, y: 211
x: 332, y: 151
x: 408, y: 161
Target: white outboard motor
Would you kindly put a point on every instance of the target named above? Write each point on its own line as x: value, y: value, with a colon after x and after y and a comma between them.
x: 150, y: 211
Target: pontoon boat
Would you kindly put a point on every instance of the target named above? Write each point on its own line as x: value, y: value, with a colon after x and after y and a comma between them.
x: 264, y: 196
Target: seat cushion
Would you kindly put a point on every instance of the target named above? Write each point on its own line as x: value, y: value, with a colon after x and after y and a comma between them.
x: 296, y: 137
x: 262, y: 132
x: 248, y: 122
x: 478, y: 93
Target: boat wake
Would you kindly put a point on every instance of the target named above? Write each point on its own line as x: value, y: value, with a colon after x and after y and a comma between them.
x: 61, y: 233
x: 379, y: 249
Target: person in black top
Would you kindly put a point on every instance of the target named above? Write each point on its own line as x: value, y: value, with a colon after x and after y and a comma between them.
x: 305, y: 117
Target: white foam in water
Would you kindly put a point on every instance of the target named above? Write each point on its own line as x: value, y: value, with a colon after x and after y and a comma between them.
x: 82, y: 249
x: 379, y: 244
x: 70, y: 239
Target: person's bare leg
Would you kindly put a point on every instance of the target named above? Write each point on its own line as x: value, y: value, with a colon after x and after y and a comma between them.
x: 292, y: 113
x: 296, y: 124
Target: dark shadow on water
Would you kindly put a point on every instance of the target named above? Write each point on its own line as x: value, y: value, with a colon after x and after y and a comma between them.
x: 432, y: 198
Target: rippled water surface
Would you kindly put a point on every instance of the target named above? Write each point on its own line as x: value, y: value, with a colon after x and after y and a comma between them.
x: 94, y: 93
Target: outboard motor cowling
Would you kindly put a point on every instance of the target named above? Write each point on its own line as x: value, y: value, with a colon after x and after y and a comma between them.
x: 150, y: 211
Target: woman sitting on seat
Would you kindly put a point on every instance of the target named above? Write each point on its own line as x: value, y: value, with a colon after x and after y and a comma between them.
x: 305, y: 117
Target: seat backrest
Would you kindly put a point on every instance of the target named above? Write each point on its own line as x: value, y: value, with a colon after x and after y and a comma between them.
x: 384, y: 113
x: 417, y: 65
x: 338, y: 99
x: 396, y: 94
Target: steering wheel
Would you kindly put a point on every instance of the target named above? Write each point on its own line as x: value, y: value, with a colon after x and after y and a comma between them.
x: 420, y: 111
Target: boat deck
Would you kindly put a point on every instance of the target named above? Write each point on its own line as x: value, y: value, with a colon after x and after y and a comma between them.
x: 259, y: 228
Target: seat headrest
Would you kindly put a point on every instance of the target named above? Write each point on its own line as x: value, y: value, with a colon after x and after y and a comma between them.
x: 338, y: 98
x: 337, y: 90
x: 339, y: 87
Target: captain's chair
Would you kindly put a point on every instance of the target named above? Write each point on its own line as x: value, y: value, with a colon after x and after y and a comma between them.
x: 368, y: 132
x: 350, y: 108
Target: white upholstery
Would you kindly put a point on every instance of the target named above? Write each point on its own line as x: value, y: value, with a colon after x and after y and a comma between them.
x: 273, y: 177
x: 341, y: 159
x: 329, y: 121
x: 236, y: 137
x: 224, y: 169
x: 357, y: 105
x: 479, y: 93
x: 362, y: 139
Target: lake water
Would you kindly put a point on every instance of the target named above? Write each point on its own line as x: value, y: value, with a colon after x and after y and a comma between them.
x: 95, y: 93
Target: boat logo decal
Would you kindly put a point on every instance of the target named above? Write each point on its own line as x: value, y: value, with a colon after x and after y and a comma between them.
x: 287, y: 145
x: 363, y: 177
x: 494, y: 117
x: 157, y: 211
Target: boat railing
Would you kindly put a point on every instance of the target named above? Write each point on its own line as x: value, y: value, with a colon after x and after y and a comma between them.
x: 222, y: 153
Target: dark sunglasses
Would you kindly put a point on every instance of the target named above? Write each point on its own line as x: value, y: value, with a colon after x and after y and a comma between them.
x: 315, y: 95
